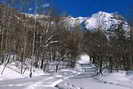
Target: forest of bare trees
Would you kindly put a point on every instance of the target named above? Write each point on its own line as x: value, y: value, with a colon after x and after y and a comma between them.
x: 46, y: 39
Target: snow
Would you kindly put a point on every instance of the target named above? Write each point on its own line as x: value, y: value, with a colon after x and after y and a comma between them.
x: 65, y: 78
x: 72, y: 21
x: 84, y: 59
x: 38, y: 82
x: 9, y: 74
x: 105, y: 21
x: 88, y: 83
x: 116, y: 76
x: 102, y: 20
x: 121, y: 78
x: 13, y: 72
x: 116, y: 80
x: 91, y: 23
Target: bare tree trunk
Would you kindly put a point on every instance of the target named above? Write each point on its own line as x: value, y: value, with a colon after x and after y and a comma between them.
x: 7, y: 58
x: 110, y: 64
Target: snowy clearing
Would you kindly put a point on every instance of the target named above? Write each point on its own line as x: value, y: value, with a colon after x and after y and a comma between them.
x: 13, y: 72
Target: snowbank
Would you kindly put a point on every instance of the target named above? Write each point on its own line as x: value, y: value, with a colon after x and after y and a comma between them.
x: 13, y: 72
x: 121, y: 78
x: 87, y: 83
x: 116, y: 80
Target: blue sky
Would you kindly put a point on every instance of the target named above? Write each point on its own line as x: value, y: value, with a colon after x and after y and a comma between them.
x: 88, y: 7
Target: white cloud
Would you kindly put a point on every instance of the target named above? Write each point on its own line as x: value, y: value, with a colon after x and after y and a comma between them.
x: 30, y: 9
x: 46, y: 5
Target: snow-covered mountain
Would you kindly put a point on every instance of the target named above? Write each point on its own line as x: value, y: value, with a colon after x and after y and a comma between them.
x: 106, y: 22
x: 103, y: 20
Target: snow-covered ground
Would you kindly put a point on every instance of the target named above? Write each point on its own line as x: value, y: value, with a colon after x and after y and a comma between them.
x: 120, y: 78
x: 88, y: 83
x: 38, y: 82
x: 115, y: 80
x: 13, y: 72
x: 12, y: 79
x: 65, y: 79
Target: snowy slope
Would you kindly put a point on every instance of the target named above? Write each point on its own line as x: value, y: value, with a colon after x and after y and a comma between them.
x: 13, y: 72
x: 88, y: 83
x: 121, y: 78
x: 115, y: 80
x: 104, y: 20
x: 48, y: 81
